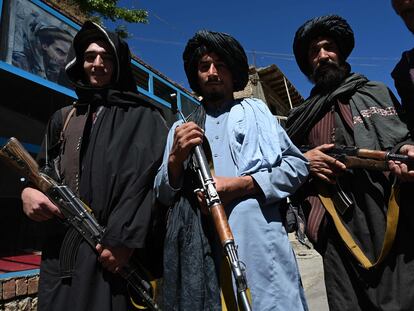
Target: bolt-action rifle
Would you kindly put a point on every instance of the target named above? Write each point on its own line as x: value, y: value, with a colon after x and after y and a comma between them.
x: 221, y: 224
x: 77, y: 214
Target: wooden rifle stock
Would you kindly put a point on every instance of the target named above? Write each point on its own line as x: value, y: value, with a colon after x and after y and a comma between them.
x: 16, y: 156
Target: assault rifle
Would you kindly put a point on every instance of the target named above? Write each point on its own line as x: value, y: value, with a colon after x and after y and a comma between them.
x: 354, y: 157
x: 76, y: 213
x: 221, y: 224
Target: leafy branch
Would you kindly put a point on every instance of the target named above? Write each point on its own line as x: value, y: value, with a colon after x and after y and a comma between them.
x: 108, y: 9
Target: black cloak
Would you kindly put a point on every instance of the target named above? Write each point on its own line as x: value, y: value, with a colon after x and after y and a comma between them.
x: 404, y: 83
x: 332, y: 26
x: 118, y: 158
x: 376, y: 126
x: 226, y: 47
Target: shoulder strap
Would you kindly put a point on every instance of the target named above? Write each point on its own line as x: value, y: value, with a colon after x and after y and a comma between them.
x: 66, y: 122
x: 198, y: 116
x: 346, y: 236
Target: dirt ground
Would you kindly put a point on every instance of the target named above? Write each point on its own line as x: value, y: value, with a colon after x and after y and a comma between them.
x: 311, y: 270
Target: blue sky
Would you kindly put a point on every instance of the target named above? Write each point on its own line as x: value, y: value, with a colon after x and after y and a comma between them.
x: 266, y: 29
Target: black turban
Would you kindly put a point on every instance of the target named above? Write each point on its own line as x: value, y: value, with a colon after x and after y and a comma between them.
x: 332, y: 26
x: 226, y: 47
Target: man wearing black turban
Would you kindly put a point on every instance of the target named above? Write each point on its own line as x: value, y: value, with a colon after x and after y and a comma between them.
x: 368, y: 259
x: 256, y: 168
x: 228, y: 49
x: 107, y: 149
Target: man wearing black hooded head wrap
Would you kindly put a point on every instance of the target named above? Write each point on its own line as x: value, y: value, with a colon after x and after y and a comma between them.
x: 107, y: 149
x: 256, y: 168
x: 368, y: 260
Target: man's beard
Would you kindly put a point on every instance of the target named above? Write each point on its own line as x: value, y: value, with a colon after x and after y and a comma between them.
x: 214, y: 96
x: 329, y: 75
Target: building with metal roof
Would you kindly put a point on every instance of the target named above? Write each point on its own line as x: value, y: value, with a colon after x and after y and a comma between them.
x: 272, y: 86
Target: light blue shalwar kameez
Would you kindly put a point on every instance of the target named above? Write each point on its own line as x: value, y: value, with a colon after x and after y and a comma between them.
x: 246, y: 139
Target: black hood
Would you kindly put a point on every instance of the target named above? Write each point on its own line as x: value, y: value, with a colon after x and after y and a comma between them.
x: 332, y: 26
x: 226, y: 47
x: 123, y: 78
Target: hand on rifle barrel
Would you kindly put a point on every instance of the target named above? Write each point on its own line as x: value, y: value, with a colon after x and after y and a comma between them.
x: 401, y: 170
x: 37, y: 205
x: 186, y: 137
x: 322, y: 165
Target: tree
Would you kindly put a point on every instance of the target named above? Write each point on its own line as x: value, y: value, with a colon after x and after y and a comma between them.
x: 109, y: 9
x: 97, y: 9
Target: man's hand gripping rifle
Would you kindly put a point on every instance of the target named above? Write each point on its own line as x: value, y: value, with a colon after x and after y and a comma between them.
x: 221, y: 224
x: 76, y: 213
x: 354, y: 157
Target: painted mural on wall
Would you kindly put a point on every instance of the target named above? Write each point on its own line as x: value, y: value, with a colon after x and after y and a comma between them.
x: 38, y: 42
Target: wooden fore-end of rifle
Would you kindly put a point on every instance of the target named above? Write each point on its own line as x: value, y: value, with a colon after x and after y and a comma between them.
x: 220, y: 221
x: 16, y: 156
x: 370, y: 164
x: 386, y: 156
x: 372, y: 154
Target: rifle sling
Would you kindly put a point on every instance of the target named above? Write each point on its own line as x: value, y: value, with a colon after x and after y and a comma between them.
x: 66, y: 122
x: 346, y: 236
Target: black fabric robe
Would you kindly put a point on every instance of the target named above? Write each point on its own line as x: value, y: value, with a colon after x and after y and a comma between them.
x: 376, y: 126
x: 119, y: 157
x: 403, y: 75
